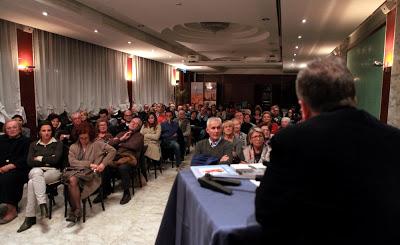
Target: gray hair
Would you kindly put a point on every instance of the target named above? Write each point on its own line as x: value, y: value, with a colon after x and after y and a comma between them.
x: 254, y: 130
x: 285, y: 119
x: 213, y: 119
x: 326, y: 84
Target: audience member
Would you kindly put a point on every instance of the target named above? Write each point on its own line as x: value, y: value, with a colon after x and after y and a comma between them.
x: 25, y: 131
x: 87, y: 158
x: 267, y: 118
x: 151, y: 131
x: 169, y: 137
x: 13, y: 169
x: 184, y: 125
x: 325, y: 187
x: 129, y: 146
x: 236, y: 130
x: 256, y: 151
x: 102, y: 132
x: 44, y: 158
x: 215, y: 145
x: 229, y: 135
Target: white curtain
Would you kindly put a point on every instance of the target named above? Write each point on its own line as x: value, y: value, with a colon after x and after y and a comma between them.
x: 72, y: 75
x: 10, y: 98
x: 153, y: 83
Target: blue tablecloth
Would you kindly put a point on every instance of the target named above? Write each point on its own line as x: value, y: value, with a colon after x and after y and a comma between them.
x: 199, y: 216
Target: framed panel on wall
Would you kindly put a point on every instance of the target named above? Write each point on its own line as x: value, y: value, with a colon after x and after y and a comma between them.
x: 210, y: 93
x: 196, y: 93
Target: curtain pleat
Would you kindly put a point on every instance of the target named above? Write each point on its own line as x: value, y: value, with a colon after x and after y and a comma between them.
x: 10, y: 98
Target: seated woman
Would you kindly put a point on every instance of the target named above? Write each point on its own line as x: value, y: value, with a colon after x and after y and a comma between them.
x: 151, y: 131
x: 44, y: 158
x: 13, y: 169
x: 267, y: 119
x: 102, y: 132
x: 256, y: 151
x: 236, y: 130
x: 228, y: 134
x: 87, y: 158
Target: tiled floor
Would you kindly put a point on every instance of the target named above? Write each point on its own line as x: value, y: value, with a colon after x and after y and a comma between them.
x: 134, y: 223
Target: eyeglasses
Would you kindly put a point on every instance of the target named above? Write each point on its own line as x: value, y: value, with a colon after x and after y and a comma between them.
x: 257, y: 137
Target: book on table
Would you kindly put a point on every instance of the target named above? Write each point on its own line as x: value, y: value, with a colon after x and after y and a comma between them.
x: 214, y: 170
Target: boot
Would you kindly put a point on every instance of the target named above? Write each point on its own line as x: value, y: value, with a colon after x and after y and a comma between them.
x: 125, y: 198
x: 28, y: 222
x: 44, y: 212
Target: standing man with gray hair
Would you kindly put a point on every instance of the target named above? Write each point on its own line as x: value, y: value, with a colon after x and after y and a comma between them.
x: 215, y: 145
x: 335, y: 178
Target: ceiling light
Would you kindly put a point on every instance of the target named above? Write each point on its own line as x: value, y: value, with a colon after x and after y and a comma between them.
x: 169, y: 56
x: 44, y: 13
x: 265, y: 19
x: 178, y: 4
x: 129, y: 42
x: 299, y: 37
x: 304, y: 21
x: 293, y: 60
x: 140, y: 26
x: 297, y: 47
x: 152, y: 50
x: 96, y: 31
x: 294, y: 54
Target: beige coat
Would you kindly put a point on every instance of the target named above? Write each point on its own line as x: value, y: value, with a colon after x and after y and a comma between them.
x: 93, y: 154
x: 152, y: 140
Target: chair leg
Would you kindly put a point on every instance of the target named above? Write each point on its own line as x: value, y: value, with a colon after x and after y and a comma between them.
x: 102, y: 199
x: 90, y: 203
x: 140, y: 179
x: 155, y: 168
x: 65, y: 200
x: 51, y: 200
x: 133, y: 182
x: 84, y: 210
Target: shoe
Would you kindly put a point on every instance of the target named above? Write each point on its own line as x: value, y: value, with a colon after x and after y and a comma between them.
x: 125, y: 198
x: 44, y: 211
x: 3, y: 209
x: 28, y: 222
x: 75, y: 216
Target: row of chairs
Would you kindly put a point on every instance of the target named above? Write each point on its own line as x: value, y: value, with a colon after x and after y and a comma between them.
x: 141, y: 169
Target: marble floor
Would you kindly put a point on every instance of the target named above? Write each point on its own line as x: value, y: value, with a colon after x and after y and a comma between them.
x: 134, y: 223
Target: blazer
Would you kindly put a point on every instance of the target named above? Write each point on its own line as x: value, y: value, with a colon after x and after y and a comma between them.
x: 333, y: 179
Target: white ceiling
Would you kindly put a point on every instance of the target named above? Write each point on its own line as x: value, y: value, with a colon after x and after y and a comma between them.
x: 168, y: 31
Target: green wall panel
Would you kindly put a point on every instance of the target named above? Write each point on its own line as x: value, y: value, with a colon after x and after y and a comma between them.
x: 360, y: 61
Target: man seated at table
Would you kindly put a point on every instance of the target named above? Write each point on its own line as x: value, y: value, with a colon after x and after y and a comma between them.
x: 325, y: 187
x: 215, y: 146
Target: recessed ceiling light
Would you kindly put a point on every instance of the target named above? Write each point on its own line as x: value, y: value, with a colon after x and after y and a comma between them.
x: 293, y: 60
x: 152, y: 50
x: 299, y: 37
x: 169, y: 56
x: 178, y: 4
x: 297, y: 47
x: 96, y: 31
x: 44, y: 13
x: 304, y: 21
x: 265, y: 19
x: 129, y: 42
x: 294, y: 54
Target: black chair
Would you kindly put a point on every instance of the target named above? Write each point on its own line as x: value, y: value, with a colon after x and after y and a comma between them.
x: 100, y: 190
x: 51, y: 191
x: 155, y: 165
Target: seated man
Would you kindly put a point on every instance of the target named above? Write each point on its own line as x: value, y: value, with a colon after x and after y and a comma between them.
x: 169, y: 137
x: 184, y: 125
x: 14, y: 149
x: 215, y: 145
x: 129, y: 146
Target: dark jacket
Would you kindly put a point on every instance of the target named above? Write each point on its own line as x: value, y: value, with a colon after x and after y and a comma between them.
x: 334, y: 179
x: 51, y: 153
x: 14, y: 151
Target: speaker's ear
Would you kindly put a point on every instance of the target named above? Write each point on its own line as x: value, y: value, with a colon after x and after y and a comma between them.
x: 306, y: 112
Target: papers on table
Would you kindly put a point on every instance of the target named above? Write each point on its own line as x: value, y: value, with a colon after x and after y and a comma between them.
x: 249, y: 170
x: 214, y: 170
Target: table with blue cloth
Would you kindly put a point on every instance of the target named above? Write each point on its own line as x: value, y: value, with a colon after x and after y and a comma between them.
x: 195, y: 215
